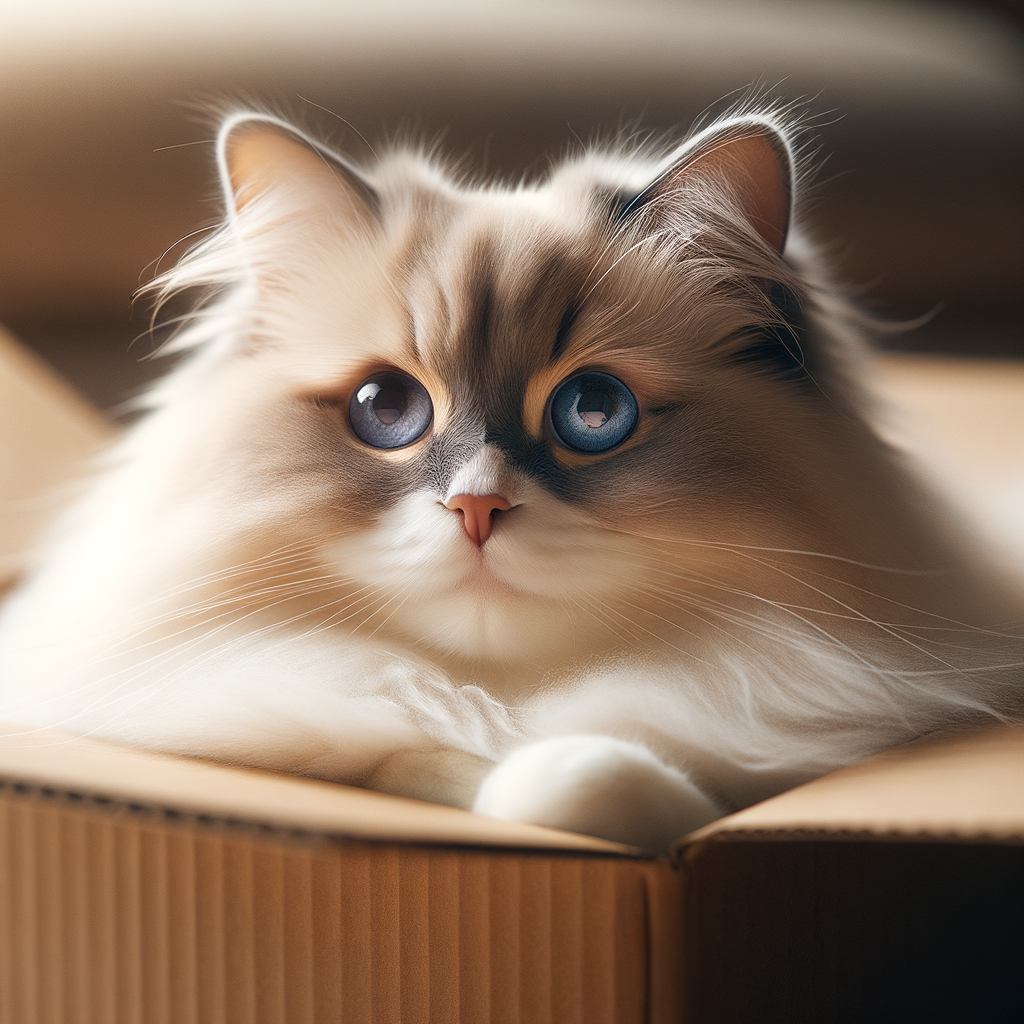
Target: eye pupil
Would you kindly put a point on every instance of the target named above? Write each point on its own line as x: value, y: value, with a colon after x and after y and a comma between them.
x: 592, y: 413
x: 390, y: 410
x: 388, y: 405
x: 594, y: 408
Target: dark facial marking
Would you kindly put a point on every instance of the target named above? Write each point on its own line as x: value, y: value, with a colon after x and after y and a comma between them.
x: 448, y: 450
x: 780, y: 348
x: 622, y: 206
x: 562, y: 334
x: 482, y: 316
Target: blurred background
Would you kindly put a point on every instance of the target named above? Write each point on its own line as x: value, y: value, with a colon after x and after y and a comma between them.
x: 106, y: 161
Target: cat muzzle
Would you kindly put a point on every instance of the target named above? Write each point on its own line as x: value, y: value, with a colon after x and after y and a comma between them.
x: 477, y: 511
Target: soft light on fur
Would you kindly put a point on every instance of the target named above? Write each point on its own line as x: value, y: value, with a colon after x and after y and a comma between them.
x: 747, y: 592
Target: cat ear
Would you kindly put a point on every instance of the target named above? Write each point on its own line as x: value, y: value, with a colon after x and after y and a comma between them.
x: 748, y: 157
x: 259, y: 155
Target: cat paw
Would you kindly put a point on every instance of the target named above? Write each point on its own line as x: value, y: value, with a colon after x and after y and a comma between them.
x: 599, y: 786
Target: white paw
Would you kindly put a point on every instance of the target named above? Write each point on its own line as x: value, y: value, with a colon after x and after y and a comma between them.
x: 599, y: 786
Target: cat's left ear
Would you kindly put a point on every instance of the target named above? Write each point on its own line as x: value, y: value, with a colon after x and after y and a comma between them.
x: 260, y: 156
x: 749, y: 158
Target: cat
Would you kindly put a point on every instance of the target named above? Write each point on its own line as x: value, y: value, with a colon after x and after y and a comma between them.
x: 562, y: 501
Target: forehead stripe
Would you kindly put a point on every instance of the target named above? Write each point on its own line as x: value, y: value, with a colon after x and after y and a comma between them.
x: 562, y: 334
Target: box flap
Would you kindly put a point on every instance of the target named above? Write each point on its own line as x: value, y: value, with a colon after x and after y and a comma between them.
x: 963, y: 422
x: 48, y: 432
x: 95, y: 768
x: 966, y: 786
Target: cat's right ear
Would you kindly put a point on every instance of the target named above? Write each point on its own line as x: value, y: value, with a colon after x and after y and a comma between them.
x: 263, y: 158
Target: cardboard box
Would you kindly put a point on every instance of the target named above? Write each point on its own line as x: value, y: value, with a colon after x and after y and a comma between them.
x: 892, y: 890
x: 139, y: 887
x: 136, y: 886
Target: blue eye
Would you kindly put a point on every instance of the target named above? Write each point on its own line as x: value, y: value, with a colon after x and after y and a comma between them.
x: 592, y: 413
x: 390, y: 410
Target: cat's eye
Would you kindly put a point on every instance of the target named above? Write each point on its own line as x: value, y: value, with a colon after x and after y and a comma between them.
x: 390, y: 410
x: 592, y: 413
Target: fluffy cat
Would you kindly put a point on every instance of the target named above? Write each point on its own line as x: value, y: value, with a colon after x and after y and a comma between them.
x: 560, y: 501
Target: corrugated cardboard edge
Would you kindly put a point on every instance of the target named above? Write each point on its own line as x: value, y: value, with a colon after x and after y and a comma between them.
x: 83, y: 767
x: 964, y: 786
x: 140, y: 917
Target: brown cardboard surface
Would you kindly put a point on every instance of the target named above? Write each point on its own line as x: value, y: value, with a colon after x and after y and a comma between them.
x: 968, y: 413
x: 48, y: 432
x: 114, y: 914
x: 892, y: 890
x: 820, y: 930
x: 86, y: 767
x: 129, y: 899
x: 141, y: 887
x: 968, y: 786
x: 963, y: 422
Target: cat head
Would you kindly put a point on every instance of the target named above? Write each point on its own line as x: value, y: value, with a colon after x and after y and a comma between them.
x: 517, y: 417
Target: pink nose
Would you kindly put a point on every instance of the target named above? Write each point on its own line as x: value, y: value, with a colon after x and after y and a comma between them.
x: 478, y: 513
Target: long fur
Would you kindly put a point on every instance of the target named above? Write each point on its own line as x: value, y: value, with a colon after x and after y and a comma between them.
x: 751, y: 591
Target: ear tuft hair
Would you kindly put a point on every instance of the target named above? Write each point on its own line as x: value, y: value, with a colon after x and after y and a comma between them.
x: 258, y: 154
x: 749, y: 157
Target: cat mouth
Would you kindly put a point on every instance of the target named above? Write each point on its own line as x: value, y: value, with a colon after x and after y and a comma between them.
x: 483, y: 579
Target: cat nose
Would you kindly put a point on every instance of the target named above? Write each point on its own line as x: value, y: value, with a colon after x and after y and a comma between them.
x: 478, y: 513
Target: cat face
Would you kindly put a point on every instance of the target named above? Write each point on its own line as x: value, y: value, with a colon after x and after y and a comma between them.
x: 520, y: 417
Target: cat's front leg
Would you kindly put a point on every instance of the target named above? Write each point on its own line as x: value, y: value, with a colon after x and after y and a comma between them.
x: 441, y: 775
x: 597, y: 785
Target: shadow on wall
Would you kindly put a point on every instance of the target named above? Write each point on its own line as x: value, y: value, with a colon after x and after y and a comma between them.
x: 105, y: 160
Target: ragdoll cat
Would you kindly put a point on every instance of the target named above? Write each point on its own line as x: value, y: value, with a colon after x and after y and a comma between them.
x: 559, y: 501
